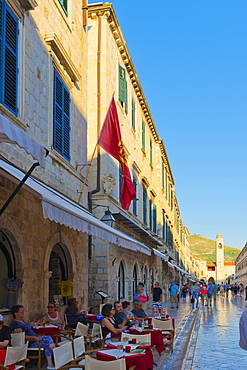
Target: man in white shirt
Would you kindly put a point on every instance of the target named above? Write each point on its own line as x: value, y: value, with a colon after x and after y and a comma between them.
x: 243, y: 330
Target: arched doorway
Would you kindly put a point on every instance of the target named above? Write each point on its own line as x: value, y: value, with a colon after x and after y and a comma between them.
x: 59, y: 265
x: 121, y: 281
x: 10, y: 283
x: 135, y: 280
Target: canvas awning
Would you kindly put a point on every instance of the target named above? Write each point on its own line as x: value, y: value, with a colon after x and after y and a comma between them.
x: 170, y: 265
x: 59, y: 208
x: 181, y: 270
x: 165, y: 257
x: 121, y: 217
x: 10, y: 133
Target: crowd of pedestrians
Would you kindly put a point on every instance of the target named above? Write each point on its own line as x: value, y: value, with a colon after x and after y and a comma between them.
x: 206, y: 292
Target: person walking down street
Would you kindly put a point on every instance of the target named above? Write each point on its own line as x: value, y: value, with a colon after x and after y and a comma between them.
x: 184, y: 291
x: 195, y: 289
x: 215, y: 290
x: 157, y: 297
x: 210, y: 294
x: 222, y: 290
x: 174, y: 291
x: 227, y: 288
x: 235, y: 290
x: 204, y: 291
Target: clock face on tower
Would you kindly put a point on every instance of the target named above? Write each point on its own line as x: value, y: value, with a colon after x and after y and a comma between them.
x: 220, y: 246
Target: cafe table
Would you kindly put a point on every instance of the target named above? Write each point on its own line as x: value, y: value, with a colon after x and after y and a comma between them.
x: 146, y: 347
x: 51, y: 330
x: 91, y: 317
x: 156, y: 337
x: 139, y: 360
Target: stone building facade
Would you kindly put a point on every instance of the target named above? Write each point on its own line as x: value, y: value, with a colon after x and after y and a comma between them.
x: 154, y: 217
x: 241, y: 267
x: 61, y: 69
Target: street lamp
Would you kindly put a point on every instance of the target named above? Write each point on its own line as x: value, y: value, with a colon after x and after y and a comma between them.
x: 108, y: 218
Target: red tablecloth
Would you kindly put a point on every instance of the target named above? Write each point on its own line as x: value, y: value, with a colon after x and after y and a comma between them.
x: 2, y: 359
x: 48, y: 331
x: 91, y: 317
x: 140, y: 360
x: 148, y: 352
x: 156, y: 338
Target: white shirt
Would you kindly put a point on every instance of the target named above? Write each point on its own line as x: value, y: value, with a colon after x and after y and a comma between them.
x: 243, y: 330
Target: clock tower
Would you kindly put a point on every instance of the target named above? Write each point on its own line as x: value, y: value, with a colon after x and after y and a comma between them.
x: 219, y: 246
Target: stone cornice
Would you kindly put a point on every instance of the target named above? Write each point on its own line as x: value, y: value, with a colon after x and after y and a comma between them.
x: 106, y: 10
x: 56, y: 46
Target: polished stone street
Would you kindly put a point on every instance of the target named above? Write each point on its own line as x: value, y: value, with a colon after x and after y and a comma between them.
x: 214, y: 341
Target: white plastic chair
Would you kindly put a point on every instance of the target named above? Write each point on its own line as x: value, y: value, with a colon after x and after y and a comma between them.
x: 17, y: 339
x: 63, y: 355
x: 96, y: 335
x: 93, y: 364
x: 16, y: 354
x: 81, y: 330
x: 140, y: 337
x: 78, y: 346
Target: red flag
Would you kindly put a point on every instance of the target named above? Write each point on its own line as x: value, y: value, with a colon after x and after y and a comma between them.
x: 110, y: 139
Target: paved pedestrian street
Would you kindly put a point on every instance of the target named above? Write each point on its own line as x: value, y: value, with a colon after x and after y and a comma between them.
x: 214, y: 341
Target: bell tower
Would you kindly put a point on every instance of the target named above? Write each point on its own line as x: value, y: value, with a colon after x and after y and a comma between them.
x: 219, y: 249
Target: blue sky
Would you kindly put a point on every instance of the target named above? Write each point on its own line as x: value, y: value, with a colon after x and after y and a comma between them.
x: 191, y: 58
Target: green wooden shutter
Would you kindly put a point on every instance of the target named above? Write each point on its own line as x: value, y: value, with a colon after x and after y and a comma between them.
x: 64, y: 4
x: 144, y: 205
x: 154, y: 218
x: 151, y: 152
x: 143, y: 136
x: 8, y: 57
x: 133, y: 115
x: 122, y: 87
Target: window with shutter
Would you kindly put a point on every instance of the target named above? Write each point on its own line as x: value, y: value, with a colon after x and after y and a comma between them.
x: 144, y: 205
x: 122, y: 88
x: 154, y: 219
x: 8, y: 57
x: 150, y: 214
x: 61, y: 121
x: 143, y: 136
x: 151, y: 152
x: 64, y: 5
x: 134, y: 202
x: 133, y: 116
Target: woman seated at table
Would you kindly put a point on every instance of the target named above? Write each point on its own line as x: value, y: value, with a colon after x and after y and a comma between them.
x: 4, y: 342
x: 20, y: 325
x: 74, y: 315
x: 108, y: 322
x: 55, y: 318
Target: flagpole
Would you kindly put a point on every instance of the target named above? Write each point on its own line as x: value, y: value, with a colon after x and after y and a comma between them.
x: 87, y: 173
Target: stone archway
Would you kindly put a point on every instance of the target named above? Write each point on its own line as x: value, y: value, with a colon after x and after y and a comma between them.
x: 60, y: 244
x: 13, y: 253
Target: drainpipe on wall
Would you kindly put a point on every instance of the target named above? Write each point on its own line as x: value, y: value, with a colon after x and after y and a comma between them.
x: 97, y: 189
x: 84, y: 13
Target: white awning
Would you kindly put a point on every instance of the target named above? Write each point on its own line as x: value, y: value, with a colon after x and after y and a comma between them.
x: 9, y: 133
x: 181, y: 270
x: 161, y: 255
x: 58, y: 208
x: 170, y: 265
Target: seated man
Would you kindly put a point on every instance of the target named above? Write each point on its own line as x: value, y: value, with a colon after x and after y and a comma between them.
x: 121, y: 319
x: 139, y: 313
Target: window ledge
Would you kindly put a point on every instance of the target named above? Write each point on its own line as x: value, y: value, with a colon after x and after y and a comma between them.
x: 144, y: 152
x: 56, y: 46
x: 28, y: 4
